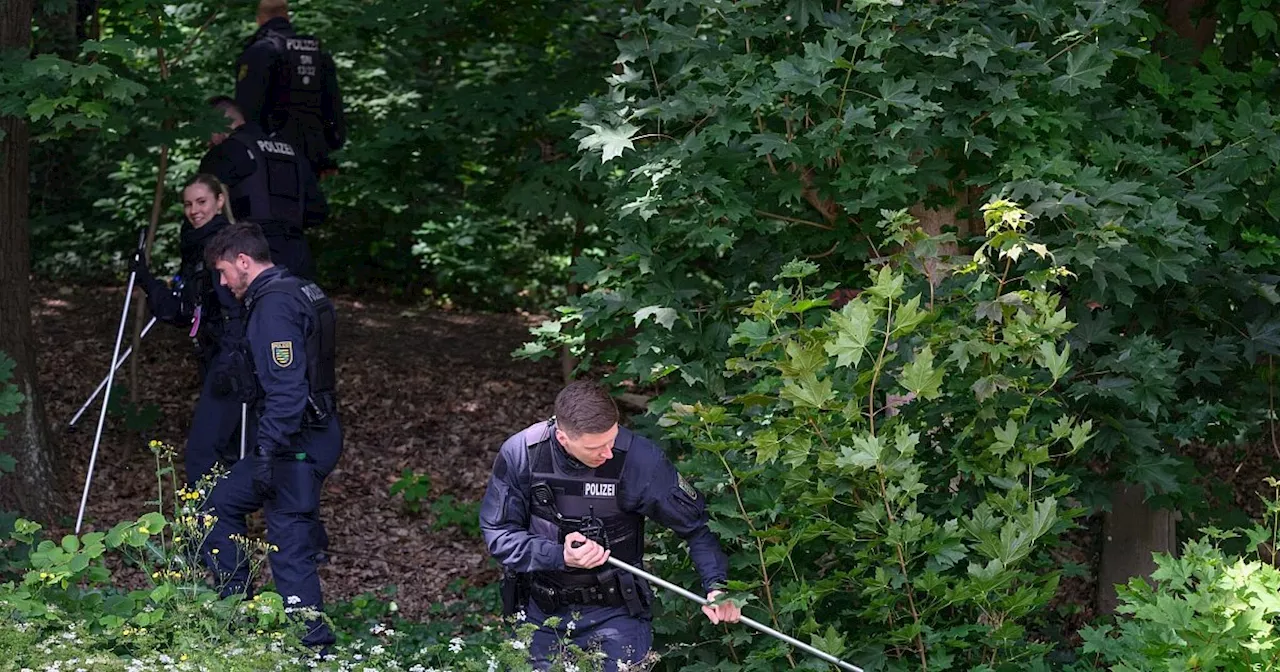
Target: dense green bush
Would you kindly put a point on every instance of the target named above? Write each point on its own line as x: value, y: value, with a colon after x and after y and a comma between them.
x: 889, y: 479
x: 1209, y: 609
x: 738, y: 136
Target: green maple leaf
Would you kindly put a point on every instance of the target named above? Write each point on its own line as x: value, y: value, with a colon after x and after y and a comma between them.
x: 610, y: 141
x: 921, y: 377
x: 664, y: 316
x: 1085, y: 69
x: 808, y: 391
x: 853, y: 330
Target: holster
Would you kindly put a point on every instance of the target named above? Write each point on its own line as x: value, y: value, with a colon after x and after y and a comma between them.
x: 318, y: 410
x: 514, y: 589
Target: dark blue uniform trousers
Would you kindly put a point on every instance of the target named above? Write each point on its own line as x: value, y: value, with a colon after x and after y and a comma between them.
x: 293, y: 519
x: 621, y: 636
x: 215, y: 427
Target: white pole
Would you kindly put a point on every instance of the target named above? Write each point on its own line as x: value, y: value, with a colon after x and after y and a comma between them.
x: 106, y: 398
x: 103, y: 384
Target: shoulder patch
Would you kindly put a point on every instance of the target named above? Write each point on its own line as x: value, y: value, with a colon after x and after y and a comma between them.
x: 282, y: 353
x: 686, y: 487
x: 244, y: 71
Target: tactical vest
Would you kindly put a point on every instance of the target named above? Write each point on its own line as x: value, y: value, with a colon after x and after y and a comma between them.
x: 297, y: 91
x: 322, y: 344
x: 275, y: 192
x: 591, y: 494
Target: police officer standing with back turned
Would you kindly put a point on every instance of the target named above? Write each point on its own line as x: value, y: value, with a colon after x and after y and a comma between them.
x: 564, y: 496
x: 288, y: 85
x: 270, y: 185
x: 290, y: 327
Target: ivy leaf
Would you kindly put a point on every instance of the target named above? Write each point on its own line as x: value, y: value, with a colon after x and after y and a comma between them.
x: 1085, y: 68
x: 664, y: 316
x: 920, y: 376
x: 7, y: 464
x: 610, y: 141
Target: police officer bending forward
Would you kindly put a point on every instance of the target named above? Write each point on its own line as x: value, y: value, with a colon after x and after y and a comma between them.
x: 290, y: 330
x: 579, y: 478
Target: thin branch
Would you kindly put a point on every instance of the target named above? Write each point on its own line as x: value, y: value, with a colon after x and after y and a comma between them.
x: 192, y: 42
x: 1069, y: 47
x: 795, y: 220
x: 1212, y: 156
x: 822, y: 255
x: 653, y: 135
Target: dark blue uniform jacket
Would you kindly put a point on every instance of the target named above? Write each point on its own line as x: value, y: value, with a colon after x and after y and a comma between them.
x: 649, y: 485
x: 279, y: 323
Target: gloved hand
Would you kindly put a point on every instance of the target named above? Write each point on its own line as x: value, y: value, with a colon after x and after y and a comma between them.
x: 138, y: 266
x: 261, y: 467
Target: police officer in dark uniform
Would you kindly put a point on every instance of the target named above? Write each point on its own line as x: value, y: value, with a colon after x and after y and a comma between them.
x: 288, y: 85
x: 291, y: 339
x: 212, y: 317
x: 564, y: 496
x: 270, y: 185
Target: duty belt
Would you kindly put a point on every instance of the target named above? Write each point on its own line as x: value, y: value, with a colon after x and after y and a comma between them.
x: 613, y: 589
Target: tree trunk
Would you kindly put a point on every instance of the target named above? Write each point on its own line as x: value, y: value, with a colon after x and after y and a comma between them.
x: 28, y: 439
x: 1132, y: 531
x: 1190, y: 21
x: 58, y: 30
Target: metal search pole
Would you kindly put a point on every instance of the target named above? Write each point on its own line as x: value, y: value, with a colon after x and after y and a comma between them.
x: 244, y: 418
x: 106, y: 398
x: 103, y: 384
x: 745, y: 621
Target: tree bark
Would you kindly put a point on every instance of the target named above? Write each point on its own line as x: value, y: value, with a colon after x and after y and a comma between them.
x: 1132, y: 532
x: 1189, y: 20
x: 28, y: 439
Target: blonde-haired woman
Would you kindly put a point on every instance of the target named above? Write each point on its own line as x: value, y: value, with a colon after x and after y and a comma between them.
x: 198, y: 303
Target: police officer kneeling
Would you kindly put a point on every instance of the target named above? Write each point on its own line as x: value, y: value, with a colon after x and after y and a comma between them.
x: 290, y: 327
x: 564, y: 496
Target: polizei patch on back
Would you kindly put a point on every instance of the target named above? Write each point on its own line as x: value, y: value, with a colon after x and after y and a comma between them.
x: 599, y: 489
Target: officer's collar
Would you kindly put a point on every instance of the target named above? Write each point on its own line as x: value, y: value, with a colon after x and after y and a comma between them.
x: 277, y: 25
x: 261, y: 281
x: 191, y: 240
x: 563, y: 455
x: 249, y: 127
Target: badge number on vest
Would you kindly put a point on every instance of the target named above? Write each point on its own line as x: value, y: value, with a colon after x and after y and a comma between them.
x: 598, y: 489
x: 282, y: 353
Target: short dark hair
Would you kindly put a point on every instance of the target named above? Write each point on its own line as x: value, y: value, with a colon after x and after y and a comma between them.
x: 240, y: 238
x: 223, y: 102
x: 585, y: 407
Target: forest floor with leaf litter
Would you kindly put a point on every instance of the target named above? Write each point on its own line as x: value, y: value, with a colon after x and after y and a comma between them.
x: 429, y: 391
